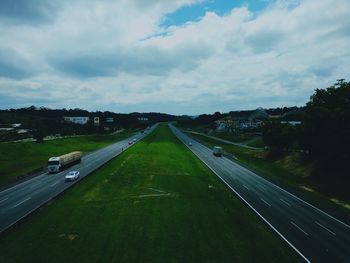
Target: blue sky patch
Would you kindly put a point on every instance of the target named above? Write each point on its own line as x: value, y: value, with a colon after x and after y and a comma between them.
x: 192, y: 13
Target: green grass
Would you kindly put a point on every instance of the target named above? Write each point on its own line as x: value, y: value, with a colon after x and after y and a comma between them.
x: 234, y: 138
x: 256, y: 142
x: 20, y: 158
x: 155, y: 203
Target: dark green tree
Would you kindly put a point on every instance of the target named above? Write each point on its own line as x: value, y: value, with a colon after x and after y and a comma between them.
x: 279, y: 136
x: 325, y: 131
x: 38, y: 135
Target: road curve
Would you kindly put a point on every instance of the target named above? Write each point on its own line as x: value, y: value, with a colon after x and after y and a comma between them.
x: 22, y: 199
x: 315, y: 235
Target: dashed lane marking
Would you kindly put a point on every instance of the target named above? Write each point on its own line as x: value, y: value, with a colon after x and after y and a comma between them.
x: 25, y: 200
x: 325, y: 228
x: 265, y: 201
x: 294, y: 224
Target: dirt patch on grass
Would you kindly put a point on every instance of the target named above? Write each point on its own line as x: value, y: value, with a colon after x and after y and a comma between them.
x: 343, y: 204
x: 307, y: 188
x: 157, y: 190
x: 155, y: 195
x: 71, y: 237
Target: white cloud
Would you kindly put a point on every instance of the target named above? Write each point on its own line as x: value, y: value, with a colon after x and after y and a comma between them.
x: 107, y: 55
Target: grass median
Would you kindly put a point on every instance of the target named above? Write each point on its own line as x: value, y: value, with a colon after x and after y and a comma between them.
x: 18, y: 159
x: 154, y: 203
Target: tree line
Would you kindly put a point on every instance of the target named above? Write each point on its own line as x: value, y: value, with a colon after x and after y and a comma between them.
x: 44, y: 121
x: 324, y: 133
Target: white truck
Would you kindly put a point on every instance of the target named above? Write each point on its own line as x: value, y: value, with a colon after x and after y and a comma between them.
x: 218, y: 151
x: 56, y: 164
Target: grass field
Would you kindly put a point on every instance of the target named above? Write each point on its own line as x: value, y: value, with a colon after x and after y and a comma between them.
x: 256, y: 142
x: 20, y: 158
x: 155, y: 203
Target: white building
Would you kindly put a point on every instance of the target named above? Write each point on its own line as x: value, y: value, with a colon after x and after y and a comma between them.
x: 77, y: 120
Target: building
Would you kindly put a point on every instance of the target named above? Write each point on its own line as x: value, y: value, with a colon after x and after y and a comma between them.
x: 16, y: 125
x: 294, y: 123
x: 77, y: 120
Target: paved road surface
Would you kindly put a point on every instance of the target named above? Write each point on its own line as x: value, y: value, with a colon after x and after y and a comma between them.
x: 313, y: 234
x: 22, y: 199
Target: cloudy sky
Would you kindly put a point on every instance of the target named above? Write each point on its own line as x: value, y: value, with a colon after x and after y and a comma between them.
x: 175, y: 56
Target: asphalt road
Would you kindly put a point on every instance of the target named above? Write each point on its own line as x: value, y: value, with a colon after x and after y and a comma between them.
x: 315, y: 235
x: 22, y: 199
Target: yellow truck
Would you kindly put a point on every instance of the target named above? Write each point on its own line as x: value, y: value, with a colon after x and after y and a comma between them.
x: 56, y: 164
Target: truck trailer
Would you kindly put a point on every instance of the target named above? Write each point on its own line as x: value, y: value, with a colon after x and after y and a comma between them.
x: 218, y: 151
x: 57, y: 164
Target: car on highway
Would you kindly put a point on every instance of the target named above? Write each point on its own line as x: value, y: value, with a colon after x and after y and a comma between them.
x: 190, y: 143
x: 218, y: 151
x: 130, y: 142
x: 134, y: 140
x: 72, y: 176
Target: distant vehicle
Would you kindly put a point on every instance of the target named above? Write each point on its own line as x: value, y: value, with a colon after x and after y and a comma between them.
x: 134, y: 140
x: 218, y: 151
x: 56, y: 164
x: 190, y: 143
x: 130, y: 142
x: 72, y: 176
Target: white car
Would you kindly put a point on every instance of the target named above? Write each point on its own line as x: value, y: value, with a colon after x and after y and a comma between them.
x: 134, y: 140
x: 190, y: 143
x: 72, y: 176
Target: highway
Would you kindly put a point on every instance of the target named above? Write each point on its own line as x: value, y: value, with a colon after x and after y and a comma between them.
x: 22, y: 199
x: 315, y: 235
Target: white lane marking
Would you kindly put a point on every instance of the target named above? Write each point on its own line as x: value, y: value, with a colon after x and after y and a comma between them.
x: 52, y: 185
x: 245, y: 201
x: 3, y: 200
x: 317, y: 223
x: 265, y: 201
x: 288, y: 204
x: 294, y: 224
x: 245, y: 187
x: 25, y: 200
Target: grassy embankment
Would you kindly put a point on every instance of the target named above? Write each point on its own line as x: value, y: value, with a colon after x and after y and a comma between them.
x: 235, y: 138
x: 288, y: 170
x: 256, y: 142
x: 18, y: 159
x: 155, y: 203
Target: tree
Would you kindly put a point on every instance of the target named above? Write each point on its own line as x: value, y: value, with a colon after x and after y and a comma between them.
x: 278, y: 136
x: 38, y: 135
x: 325, y: 131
